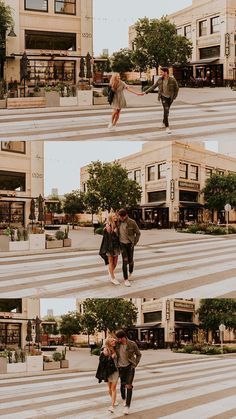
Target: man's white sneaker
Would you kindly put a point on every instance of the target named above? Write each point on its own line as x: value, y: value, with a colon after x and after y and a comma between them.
x: 126, y: 410
x: 111, y: 409
x: 127, y: 283
x: 168, y: 130
x: 115, y: 282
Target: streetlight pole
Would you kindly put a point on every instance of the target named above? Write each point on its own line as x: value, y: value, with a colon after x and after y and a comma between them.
x: 222, y: 329
x: 3, y: 40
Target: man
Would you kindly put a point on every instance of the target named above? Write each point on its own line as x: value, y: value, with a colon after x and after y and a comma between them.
x: 129, y: 234
x: 167, y: 92
x: 128, y: 357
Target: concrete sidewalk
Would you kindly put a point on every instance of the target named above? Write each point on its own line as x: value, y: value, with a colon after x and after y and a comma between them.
x: 84, y: 239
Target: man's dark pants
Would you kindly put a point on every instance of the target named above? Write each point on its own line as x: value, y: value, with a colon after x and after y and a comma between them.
x: 126, y: 380
x: 166, y: 103
x: 127, y: 251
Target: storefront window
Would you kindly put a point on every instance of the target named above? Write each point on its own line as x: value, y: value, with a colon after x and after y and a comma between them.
x: 50, y: 40
x: 11, y: 305
x: 203, y: 28
x: 12, y: 181
x: 151, y: 173
x: 188, y: 196
x: 10, y: 334
x: 137, y: 176
x: 44, y: 71
x: 162, y: 171
x: 188, y: 32
x: 183, y: 168
x: 209, y: 52
x: 215, y: 24
x: 11, y: 213
x: 183, y: 316
x: 157, y: 196
x: 193, y: 172
x: 67, y: 7
x: 154, y: 316
x: 38, y: 5
x: 13, y: 146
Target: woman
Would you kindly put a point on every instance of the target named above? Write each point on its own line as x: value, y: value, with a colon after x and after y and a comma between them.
x: 119, y: 102
x: 110, y: 247
x: 108, y: 370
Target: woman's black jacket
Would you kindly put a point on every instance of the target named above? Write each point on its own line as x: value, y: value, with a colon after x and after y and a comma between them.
x: 106, y: 367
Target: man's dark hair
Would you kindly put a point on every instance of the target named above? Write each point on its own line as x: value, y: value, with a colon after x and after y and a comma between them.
x: 121, y: 334
x: 165, y: 69
x: 122, y: 212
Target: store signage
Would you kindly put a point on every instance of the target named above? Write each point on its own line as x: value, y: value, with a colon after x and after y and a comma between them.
x: 189, y: 185
x: 172, y: 189
x: 184, y: 305
x: 227, y: 44
x: 6, y: 315
x: 86, y: 35
x: 8, y: 194
x: 167, y: 309
x: 37, y: 175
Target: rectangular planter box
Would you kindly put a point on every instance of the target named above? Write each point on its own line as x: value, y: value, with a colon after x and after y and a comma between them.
x: 67, y: 243
x: 37, y: 241
x: 54, y: 244
x: 100, y: 100
x: 68, y: 101
x: 52, y: 99
x: 85, y: 97
x: 4, y: 243
x: 16, y: 367
x: 3, y: 103
x: 34, y: 363
x: 54, y: 365
x: 65, y: 363
x: 19, y: 245
x: 3, y: 365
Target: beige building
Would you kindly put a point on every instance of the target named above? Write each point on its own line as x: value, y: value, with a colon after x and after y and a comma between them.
x: 14, y: 315
x: 211, y: 26
x: 54, y: 33
x: 21, y: 178
x: 172, y: 176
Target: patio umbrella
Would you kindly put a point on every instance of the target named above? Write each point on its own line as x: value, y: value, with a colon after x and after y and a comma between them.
x: 37, y: 331
x: 41, y: 210
x: 81, y: 73
x: 24, y: 62
x: 29, y: 333
x: 88, y: 66
x: 32, y: 216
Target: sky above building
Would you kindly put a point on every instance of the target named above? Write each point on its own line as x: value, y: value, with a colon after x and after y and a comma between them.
x: 58, y: 305
x: 112, y: 19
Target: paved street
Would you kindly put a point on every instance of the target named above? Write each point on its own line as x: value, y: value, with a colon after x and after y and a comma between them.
x: 195, y: 388
x: 186, y: 269
x: 197, y: 115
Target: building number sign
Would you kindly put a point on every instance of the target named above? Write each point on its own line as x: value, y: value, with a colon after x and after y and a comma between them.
x: 227, y: 44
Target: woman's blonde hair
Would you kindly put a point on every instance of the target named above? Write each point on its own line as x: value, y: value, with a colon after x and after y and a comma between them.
x: 115, y: 81
x: 110, y: 220
x: 108, y: 344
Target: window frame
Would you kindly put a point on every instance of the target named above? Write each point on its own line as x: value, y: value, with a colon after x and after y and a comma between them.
x: 161, y: 171
x: 10, y: 173
x: 208, y: 172
x: 212, y: 26
x: 189, y: 32
x: 140, y: 176
x: 191, y: 172
x: 34, y: 32
x: 186, y: 171
x: 148, y: 173
x: 200, y: 27
x: 63, y: 13
x: 13, y: 151
x: 35, y: 10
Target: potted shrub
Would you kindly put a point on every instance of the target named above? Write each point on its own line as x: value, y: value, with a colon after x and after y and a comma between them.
x: 3, y: 102
x: 66, y: 239
x: 52, y: 97
x: 52, y: 363
x: 3, y: 362
x: 34, y: 361
x: 53, y: 242
x: 15, y: 362
x: 64, y: 361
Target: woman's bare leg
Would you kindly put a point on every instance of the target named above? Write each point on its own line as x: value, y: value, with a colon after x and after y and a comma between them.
x: 113, y: 117
x: 110, y: 389
x: 113, y: 394
x: 117, y: 116
x: 111, y: 267
x: 115, y: 260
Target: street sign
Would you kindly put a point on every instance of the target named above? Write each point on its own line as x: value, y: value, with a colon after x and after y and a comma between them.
x: 221, y: 327
x: 227, y: 207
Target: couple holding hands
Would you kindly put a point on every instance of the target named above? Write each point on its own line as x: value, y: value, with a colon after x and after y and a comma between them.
x: 167, y: 92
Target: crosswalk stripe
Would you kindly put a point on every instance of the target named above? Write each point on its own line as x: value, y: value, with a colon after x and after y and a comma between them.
x: 136, y: 124
x: 184, y: 269
x: 201, y: 388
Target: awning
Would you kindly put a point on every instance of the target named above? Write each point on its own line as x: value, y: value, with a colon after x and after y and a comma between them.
x: 190, y: 205
x: 153, y: 205
x: 186, y: 324
x: 205, y: 61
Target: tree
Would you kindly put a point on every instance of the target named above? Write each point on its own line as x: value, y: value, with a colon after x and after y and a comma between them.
x: 140, y: 60
x: 111, y: 314
x: 103, y: 66
x: 122, y: 61
x: 112, y: 186
x: 71, y: 324
x: 51, y: 329
x: 220, y: 190
x: 157, y: 39
x: 6, y: 23
x: 74, y: 204
x: 54, y: 207
x: 92, y: 202
x: 89, y: 323
x: 215, y: 311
